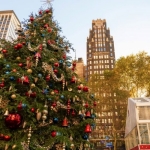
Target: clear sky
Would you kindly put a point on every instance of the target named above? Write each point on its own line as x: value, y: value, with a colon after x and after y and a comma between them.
x: 128, y: 20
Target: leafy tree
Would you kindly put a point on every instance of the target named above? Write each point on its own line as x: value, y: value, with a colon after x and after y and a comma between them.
x: 134, y: 75
x: 43, y: 105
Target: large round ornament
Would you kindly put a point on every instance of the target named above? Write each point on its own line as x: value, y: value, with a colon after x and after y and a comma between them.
x: 7, y: 137
x: 53, y: 133
x: 19, y: 45
x: 29, y: 71
x: 55, y: 120
x: 4, y: 51
x: 85, y: 136
x: 12, y: 78
x: 13, y: 120
x: 13, y: 96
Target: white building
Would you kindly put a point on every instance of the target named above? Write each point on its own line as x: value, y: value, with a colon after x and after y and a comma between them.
x: 8, y: 23
x: 137, y: 132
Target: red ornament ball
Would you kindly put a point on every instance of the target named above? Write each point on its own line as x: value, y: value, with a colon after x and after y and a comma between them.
x: 46, y: 25
x: 55, y: 71
x: 23, y: 43
x: 13, y: 120
x: 79, y: 87
x: 85, y: 89
x: 7, y: 137
x: 56, y: 91
x: 94, y: 104
x: 19, y: 107
x: 53, y: 133
x: 15, y: 47
x: 47, y: 78
x: 19, y: 45
x: 47, y: 11
x: 40, y: 12
x: 49, y: 29
x: 56, y: 64
x: 20, y: 64
x: 64, y: 56
x: 2, y: 85
x: 74, y: 64
x: 73, y: 79
x: 32, y: 110
x: 31, y: 18
x: 4, y: 51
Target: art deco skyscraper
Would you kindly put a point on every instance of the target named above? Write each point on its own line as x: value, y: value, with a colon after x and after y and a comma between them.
x: 100, y: 48
x: 8, y: 23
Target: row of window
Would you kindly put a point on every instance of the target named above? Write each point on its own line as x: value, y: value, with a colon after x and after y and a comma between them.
x: 5, y: 17
x: 99, y: 71
x: 99, y: 35
x: 100, y: 44
x: 99, y: 30
x: 101, y: 56
x: 100, y: 61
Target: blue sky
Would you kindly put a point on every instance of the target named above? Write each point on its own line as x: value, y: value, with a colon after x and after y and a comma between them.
x: 128, y: 20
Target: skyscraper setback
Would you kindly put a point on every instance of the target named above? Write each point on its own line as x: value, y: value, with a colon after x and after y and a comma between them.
x: 9, y: 22
x: 100, y: 49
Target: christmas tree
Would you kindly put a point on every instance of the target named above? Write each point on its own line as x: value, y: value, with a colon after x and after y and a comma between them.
x: 43, y: 103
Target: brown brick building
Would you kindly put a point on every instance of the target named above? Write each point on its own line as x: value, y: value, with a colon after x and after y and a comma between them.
x: 80, y: 68
x: 100, y: 49
x: 101, y: 57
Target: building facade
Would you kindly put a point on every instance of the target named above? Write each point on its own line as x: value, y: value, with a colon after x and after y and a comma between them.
x: 100, y: 49
x: 80, y: 68
x: 9, y: 22
x: 101, y: 57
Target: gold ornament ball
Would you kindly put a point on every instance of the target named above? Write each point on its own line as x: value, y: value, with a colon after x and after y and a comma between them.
x: 52, y: 93
x: 13, y: 96
x: 32, y: 85
x: 18, y: 58
x: 3, y: 79
x: 14, y: 146
x: 29, y: 71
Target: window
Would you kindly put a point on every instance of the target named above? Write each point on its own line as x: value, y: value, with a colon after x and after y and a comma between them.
x: 111, y: 54
x: 106, y: 66
x: 144, y: 112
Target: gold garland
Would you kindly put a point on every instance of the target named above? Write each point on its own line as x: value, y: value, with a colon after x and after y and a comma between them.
x: 3, y: 103
x: 49, y: 68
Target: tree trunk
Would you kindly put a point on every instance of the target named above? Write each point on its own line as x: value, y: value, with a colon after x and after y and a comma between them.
x: 115, y: 141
